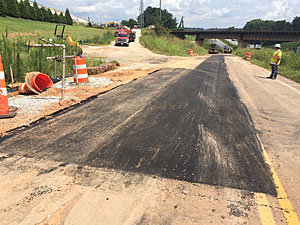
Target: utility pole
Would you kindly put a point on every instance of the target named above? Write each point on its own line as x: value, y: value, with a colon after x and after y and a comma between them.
x: 142, y: 19
x: 160, y: 9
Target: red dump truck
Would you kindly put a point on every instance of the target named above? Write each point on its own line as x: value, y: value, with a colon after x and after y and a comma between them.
x: 124, y: 29
x: 122, y: 39
x: 132, y: 35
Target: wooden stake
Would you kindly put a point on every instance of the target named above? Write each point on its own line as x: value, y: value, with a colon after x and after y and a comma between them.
x: 11, y: 74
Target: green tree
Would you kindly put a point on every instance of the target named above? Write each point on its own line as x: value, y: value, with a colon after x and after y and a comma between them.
x: 36, y: 10
x: 27, y: 10
x: 282, y: 25
x: 40, y: 14
x: 61, y: 18
x: 3, y: 8
x: 152, y: 16
x: 24, y: 12
x: 55, y: 18
x: 44, y: 12
x: 268, y: 25
x: 12, y: 8
x: 31, y: 11
x: 296, y: 23
x: 49, y: 16
x: 129, y: 23
x: 68, y: 17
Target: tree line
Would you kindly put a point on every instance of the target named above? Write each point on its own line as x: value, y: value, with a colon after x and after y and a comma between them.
x: 271, y: 25
x: 152, y: 17
x: 23, y: 9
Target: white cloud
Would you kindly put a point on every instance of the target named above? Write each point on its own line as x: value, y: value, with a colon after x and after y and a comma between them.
x: 283, y: 10
x: 84, y: 9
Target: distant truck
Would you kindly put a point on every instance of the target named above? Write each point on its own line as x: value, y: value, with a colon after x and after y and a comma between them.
x: 124, y: 29
x: 227, y: 49
x: 213, y: 49
x: 111, y: 24
x: 120, y: 29
x: 122, y: 39
x: 132, y: 35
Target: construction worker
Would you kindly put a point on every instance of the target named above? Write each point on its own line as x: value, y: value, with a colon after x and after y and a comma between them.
x: 275, y: 61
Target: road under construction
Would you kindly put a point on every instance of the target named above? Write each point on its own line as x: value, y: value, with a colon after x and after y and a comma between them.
x: 199, y: 140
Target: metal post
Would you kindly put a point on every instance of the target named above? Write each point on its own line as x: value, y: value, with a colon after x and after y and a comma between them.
x: 160, y: 9
x: 55, y: 74
x: 76, y: 75
x: 50, y: 45
x: 64, y: 73
x: 11, y: 74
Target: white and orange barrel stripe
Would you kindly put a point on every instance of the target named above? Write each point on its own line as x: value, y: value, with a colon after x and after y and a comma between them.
x: 80, y: 69
x: 23, y: 89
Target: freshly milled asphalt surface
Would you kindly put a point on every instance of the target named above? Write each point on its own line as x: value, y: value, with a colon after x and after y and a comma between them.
x: 175, y: 123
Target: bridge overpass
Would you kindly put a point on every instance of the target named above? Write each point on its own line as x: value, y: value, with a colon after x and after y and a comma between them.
x: 242, y: 36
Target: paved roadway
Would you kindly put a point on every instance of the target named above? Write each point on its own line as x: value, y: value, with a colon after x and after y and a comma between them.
x: 176, y: 123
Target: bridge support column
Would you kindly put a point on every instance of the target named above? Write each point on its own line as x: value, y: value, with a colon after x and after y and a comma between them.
x: 180, y: 36
x: 242, y: 44
x: 199, y: 41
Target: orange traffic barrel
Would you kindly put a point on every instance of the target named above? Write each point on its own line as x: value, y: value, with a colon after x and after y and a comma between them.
x: 23, y: 89
x: 41, y: 81
x: 5, y: 111
x: 248, y: 56
x: 35, y: 82
x: 191, y: 52
x: 4, y: 108
x: 80, y: 70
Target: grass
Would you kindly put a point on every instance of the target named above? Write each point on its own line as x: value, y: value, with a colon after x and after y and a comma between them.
x: 286, y: 46
x: 169, y: 45
x: 289, y: 67
x: 34, y: 29
x: 15, y: 33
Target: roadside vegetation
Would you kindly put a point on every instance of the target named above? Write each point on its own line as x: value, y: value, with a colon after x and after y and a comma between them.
x: 163, y: 43
x: 24, y: 59
x: 23, y: 9
x: 289, y: 67
x: 15, y: 27
x: 15, y: 33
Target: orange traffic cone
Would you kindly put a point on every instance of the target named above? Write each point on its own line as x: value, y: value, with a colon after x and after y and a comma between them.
x: 5, y: 111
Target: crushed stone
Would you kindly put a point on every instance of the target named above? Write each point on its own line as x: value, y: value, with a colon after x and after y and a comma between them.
x: 31, y: 105
x: 93, y: 81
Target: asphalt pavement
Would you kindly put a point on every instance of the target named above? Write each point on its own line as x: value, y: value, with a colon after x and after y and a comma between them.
x: 176, y: 123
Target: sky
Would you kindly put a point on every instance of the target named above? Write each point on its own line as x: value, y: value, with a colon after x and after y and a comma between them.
x: 197, y: 13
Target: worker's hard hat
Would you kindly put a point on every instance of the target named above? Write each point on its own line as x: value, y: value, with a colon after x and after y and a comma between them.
x: 277, y: 46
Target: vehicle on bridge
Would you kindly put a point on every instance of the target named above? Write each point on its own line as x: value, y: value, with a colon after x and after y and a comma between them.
x: 213, y: 49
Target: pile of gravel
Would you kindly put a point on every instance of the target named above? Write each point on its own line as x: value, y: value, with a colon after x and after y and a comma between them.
x: 29, y: 105
x: 93, y: 81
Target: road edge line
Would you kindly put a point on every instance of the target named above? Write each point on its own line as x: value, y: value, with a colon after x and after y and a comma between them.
x: 264, y: 209
x: 282, y: 197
